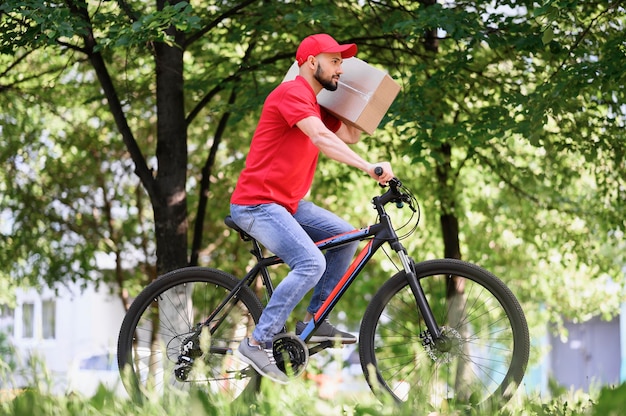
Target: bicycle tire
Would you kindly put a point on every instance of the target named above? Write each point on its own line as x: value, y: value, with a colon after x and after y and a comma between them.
x: 486, y: 358
x: 178, y: 302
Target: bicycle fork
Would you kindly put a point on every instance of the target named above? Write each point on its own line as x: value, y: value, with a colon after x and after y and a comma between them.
x: 420, y: 297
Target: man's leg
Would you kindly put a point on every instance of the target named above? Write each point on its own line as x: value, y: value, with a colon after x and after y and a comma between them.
x: 275, y: 228
x: 320, y: 224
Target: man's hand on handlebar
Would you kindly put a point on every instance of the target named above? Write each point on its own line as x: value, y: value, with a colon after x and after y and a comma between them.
x: 381, y: 171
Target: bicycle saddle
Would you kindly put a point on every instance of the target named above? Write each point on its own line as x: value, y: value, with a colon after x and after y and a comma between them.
x: 229, y: 222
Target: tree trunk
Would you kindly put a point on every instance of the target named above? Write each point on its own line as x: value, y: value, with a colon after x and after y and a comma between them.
x: 455, y: 286
x: 446, y: 178
x: 170, y: 199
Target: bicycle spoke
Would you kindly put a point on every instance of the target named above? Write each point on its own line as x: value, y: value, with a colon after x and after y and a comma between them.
x: 473, y: 362
x: 169, y: 344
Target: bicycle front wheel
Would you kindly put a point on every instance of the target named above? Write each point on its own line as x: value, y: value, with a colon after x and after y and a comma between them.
x: 166, y: 342
x: 482, y: 356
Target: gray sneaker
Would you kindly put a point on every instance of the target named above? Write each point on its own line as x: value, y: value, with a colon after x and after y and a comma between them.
x: 327, y: 332
x: 261, y: 360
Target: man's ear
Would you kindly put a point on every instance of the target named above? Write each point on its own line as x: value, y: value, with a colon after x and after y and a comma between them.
x: 311, y: 60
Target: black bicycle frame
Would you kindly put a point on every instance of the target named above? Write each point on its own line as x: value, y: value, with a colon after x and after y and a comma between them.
x: 376, y: 235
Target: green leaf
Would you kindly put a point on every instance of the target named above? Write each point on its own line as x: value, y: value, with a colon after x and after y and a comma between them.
x: 547, y: 36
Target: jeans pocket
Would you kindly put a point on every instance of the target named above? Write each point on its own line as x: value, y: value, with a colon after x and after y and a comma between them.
x: 243, y: 216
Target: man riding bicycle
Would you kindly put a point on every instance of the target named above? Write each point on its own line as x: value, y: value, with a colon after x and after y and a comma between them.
x: 268, y: 201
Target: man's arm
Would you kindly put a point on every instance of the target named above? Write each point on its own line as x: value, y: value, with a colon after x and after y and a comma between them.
x: 335, y: 148
x: 349, y: 134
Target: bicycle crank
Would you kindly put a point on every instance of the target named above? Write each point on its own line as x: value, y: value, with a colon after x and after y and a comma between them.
x: 289, y: 348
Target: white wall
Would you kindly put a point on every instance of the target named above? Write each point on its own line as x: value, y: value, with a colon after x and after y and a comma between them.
x: 623, y: 342
x: 86, y: 321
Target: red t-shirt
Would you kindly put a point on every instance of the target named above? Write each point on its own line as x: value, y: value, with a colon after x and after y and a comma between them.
x: 282, y: 159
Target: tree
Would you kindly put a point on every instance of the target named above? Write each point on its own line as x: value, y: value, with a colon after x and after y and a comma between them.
x: 508, y: 124
x: 33, y: 28
x: 512, y: 108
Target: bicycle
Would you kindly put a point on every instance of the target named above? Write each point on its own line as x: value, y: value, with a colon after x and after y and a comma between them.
x: 445, y: 329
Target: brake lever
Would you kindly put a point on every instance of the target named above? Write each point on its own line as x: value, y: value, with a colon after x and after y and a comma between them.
x: 408, y: 200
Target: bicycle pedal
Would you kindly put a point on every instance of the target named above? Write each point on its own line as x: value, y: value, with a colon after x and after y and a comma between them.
x: 326, y: 344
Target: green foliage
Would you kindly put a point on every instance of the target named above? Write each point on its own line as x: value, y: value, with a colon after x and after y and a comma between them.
x: 513, y: 123
x: 39, y: 396
x: 44, y: 23
x: 36, y: 22
x: 611, y: 401
x: 297, y: 398
x: 7, y: 354
x: 149, y: 27
x: 508, y: 113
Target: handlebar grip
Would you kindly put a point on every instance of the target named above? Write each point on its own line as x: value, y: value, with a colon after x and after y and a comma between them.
x: 378, y: 170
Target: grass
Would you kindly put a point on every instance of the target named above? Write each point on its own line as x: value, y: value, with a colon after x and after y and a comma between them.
x: 297, y: 398
x: 300, y: 397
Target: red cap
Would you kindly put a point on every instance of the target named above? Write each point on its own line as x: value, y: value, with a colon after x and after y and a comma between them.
x: 322, y: 43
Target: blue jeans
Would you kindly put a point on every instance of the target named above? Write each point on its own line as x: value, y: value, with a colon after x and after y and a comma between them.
x: 292, y: 238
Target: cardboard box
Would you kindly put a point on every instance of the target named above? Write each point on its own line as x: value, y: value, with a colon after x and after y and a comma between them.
x: 363, y: 96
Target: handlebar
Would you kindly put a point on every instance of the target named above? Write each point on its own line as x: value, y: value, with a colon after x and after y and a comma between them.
x: 394, y: 183
x: 395, y: 193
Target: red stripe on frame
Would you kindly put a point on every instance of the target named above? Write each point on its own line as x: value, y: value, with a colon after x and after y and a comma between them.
x: 344, y: 279
x: 338, y: 236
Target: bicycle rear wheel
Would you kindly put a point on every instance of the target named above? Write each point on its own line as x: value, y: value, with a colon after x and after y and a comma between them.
x: 486, y: 348
x: 163, y: 343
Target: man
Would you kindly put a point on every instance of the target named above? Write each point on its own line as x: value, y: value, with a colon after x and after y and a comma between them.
x: 268, y: 200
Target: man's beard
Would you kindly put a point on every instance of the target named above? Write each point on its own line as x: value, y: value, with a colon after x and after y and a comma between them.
x: 326, y: 83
